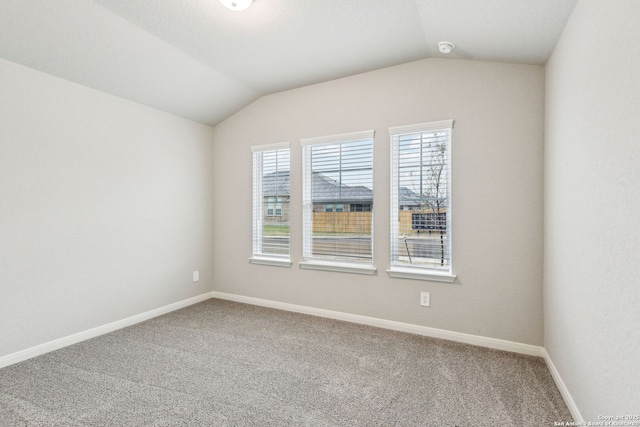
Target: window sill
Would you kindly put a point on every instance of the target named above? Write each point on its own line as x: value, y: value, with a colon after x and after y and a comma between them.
x: 275, y: 262
x: 419, y: 274
x: 342, y: 267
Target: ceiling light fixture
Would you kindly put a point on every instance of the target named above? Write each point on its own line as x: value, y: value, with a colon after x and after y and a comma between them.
x: 445, y: 47
x: 236, y: 4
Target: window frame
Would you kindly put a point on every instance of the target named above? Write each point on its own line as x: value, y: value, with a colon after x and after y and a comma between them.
x: 258, y: 257
x: 318, y: 263
x: 397, y: 268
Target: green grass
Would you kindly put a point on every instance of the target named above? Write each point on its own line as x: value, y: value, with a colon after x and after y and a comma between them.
x: 275, y: 229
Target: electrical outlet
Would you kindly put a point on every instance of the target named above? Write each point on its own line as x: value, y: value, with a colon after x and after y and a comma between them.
x: 425, y: 299
x: 196, y: 276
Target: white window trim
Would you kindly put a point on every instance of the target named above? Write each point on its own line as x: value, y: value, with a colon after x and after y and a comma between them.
x: 257, y: 202
x: 418, y: 273
x: 415, y: 272
x: 342, y: 267
x: 351, y: 136
x: 275, y: 262
x: 421, y: 127
x: 269, y: 147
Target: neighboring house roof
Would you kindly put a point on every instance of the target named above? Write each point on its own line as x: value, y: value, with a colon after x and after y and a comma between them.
x: 325, y: 189
x: 276, y: 184
x: 411, y: 199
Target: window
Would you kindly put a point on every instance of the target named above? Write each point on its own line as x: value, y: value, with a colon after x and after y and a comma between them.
x: 333, y: 207
x: 274, y: 205
x: 421, y: 201
x: 271, y: 195
x: 338, y: 172
x: 360, y: 207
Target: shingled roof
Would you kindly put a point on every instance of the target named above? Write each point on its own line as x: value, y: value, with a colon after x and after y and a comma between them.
x: 325, y: 189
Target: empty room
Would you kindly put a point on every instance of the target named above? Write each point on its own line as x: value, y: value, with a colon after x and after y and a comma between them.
x: 319, y: 213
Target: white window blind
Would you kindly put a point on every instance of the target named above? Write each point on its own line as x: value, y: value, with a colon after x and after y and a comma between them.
x: 421, y: 196
x: 271, y: 199
x: 338, y: 198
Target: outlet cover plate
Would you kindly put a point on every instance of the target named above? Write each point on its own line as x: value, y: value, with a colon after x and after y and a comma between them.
x: 425, y: 299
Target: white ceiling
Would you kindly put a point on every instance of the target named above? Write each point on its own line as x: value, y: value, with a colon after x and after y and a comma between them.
x: 199, y: 60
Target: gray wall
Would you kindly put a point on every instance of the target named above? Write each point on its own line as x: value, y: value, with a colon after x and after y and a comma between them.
x: 497, y: 194
x: 592, y: 208
x: 105, y: 208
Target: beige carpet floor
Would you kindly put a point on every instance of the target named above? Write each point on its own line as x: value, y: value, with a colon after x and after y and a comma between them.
x: 221, y: 363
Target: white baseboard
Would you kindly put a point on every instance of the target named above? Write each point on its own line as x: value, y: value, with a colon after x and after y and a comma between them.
x: 481, y: 341
x: 493, y: 343
x: 28, y: 353
x: 564, y: 391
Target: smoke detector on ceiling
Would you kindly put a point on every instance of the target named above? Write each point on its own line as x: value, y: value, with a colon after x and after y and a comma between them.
x: 445, y: 47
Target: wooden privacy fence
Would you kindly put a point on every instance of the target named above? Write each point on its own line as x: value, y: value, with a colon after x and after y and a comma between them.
x: 415, y: 222
x: 358, y: 222
x: 342, y: 222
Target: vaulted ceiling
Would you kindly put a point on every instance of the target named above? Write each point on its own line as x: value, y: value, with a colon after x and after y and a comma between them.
x: 201, y: 61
